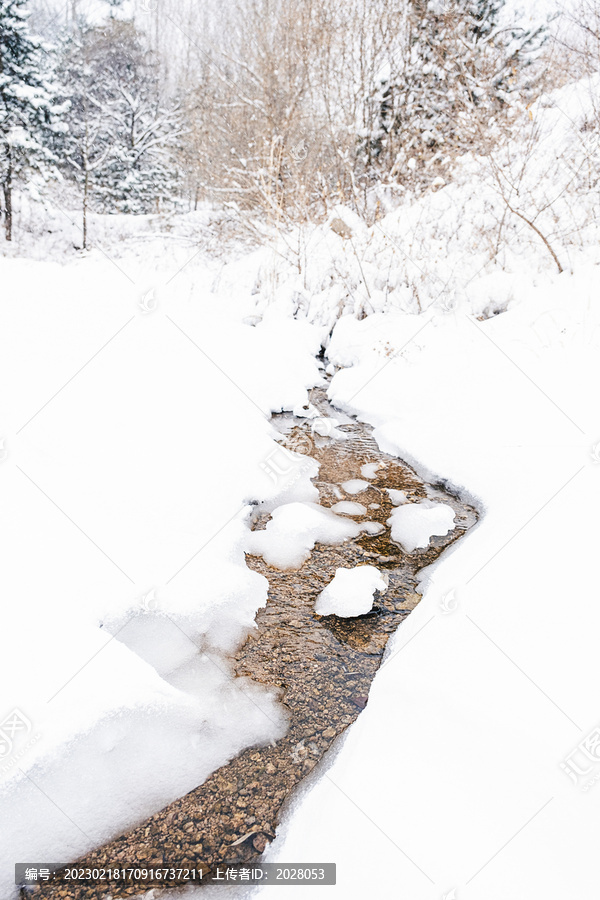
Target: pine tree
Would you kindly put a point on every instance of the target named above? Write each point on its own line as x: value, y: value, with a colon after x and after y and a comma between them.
x: 120, y: 147
x: 28, y: 112
x: 460, y: 64
x: 143, y: 172
x: 512, y: 48
x: 89, y: 141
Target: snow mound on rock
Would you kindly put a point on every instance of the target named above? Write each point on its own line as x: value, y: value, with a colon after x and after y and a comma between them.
x: 349, y: 508
x: 350, y: 592
x: 414, y: 524
x: 355, y: 486
x: 293, y: 531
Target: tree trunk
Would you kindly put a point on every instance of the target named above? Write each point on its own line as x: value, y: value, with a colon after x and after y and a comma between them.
x: 7, y: 190
x: 86, y: 182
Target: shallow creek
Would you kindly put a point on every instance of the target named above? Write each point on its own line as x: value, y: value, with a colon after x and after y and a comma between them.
x: 322, y: 667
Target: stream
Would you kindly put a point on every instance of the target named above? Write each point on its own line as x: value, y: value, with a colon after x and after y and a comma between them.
x: 321, y: 666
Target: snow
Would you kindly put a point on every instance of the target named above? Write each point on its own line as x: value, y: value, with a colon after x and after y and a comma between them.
x: 485, y: 711
x: 292, y: 532
x: 355, y: 486
x: 134, y: 441
x: 125, y: 484
x: 491, y: 683
x: 373, y: 527
x: 349, y: 508
x: 414, y: 524
x: 369, y: 470
x: 350, y: 592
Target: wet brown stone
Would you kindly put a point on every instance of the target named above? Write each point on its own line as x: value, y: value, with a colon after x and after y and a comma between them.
x: 259, y: 842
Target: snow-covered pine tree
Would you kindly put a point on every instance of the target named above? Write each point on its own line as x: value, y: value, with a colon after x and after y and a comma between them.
x: 114, y: 5
x: 460, y: 62
x: 143, y: 174
x: 28, y: 110
x: 121, y: 143
x: 509, y: 47
x: 90, y: 139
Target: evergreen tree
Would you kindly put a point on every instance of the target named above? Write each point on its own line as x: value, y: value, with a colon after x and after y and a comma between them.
x: 28, y: 112
x: 143, y: 172
x: 460, y: 63
x: 121, y: 143
x: 89, y: 142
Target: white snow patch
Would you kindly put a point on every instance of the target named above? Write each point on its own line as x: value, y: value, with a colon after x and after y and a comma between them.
x: 350, y: 593
x: 414, y: 524
x: 369, y: 470
x: 355, y: 486
x: 397, y: 497
x: 293, y: 531
x: 349, y: 508
x: 373, y: 527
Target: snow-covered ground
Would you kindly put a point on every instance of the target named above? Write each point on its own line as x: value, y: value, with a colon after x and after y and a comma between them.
x: 134, y: 426
x: 459, y: 776
x: 472, y: 772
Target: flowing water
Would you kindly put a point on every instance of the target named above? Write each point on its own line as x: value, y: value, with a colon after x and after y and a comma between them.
x: 322, y: 667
